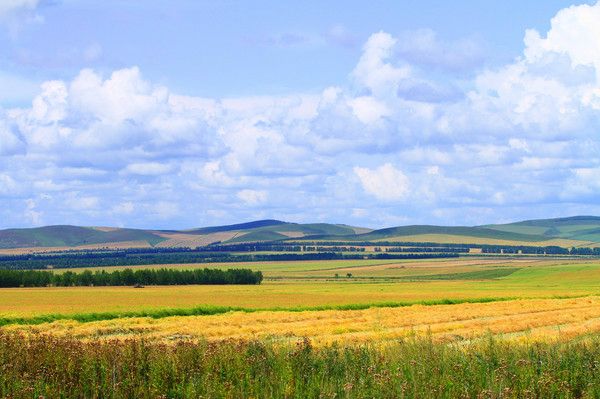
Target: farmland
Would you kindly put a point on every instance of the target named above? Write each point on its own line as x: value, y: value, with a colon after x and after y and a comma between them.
x: 478, y: 313
x: 314, y: 284
x: 466, y: 327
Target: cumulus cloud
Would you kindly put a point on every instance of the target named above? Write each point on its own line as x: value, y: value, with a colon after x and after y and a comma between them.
x: 385, y: 182
x: 519, y: 137
x: 374, y: 71
x: 572, y: 33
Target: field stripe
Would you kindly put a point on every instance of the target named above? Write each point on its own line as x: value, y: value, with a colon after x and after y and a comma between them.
x: 215, y: 310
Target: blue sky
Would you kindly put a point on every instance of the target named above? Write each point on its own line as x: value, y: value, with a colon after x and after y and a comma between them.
x: 191, y: 113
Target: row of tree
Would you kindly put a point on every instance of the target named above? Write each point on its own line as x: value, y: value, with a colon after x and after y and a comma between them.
x: 84, y: 261
x: 128, y: 277
x: 457, y: 250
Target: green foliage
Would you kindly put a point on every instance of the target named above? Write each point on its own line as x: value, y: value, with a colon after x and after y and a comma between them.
x: 163, y: 276
x: 46, y: 366
x: 161, y: 256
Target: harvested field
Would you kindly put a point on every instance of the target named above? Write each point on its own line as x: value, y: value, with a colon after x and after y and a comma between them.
x: 548, y: 320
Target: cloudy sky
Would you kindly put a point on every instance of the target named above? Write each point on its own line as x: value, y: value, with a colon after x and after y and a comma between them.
x: 178, y: 114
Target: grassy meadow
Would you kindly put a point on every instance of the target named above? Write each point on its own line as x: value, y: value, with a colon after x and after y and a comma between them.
x: 47, y: 366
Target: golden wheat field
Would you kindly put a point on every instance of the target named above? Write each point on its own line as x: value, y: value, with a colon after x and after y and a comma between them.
x: 540, y: 319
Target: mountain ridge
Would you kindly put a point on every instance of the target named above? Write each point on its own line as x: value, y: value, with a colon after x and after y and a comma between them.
x: 572, y: 230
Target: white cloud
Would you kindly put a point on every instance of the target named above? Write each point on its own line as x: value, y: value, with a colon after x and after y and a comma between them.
x: 573, y: 32
x: 368, y: 110
x: 385, y: 182
x: 51, y: 105
x: 374, y: 71
x: 252, y: 197
x: 510, y: 135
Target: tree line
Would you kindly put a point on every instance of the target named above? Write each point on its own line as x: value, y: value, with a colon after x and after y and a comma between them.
x: 58, y: 262
x: 128, y: 277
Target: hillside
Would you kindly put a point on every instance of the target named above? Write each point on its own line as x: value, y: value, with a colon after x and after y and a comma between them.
x: 583, y: 228
x: 479, y: 232
x: 76, y: 236
x: 72, y: 236
x: 567, y: 232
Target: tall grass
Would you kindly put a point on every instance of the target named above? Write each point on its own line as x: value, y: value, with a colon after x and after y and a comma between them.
x: 34, y: 366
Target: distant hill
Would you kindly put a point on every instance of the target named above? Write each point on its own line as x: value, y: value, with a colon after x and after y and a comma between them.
x: 293, y: 230
x: 567, y: 232
x: 236, y: 227
x: 479, y: 232
x: 76, y: 236
x: 582, y: 228
x: 72, y: 236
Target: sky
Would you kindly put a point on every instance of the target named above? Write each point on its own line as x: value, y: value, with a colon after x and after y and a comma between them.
x: 180, y: 114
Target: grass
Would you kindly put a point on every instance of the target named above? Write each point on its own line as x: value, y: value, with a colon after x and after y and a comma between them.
x: 45, y: 366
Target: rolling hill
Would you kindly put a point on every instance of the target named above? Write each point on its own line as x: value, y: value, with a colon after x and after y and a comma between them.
x: 76, y: 236
x: 567, y: 232
x: 583, y: 228
x: 72, y: 236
